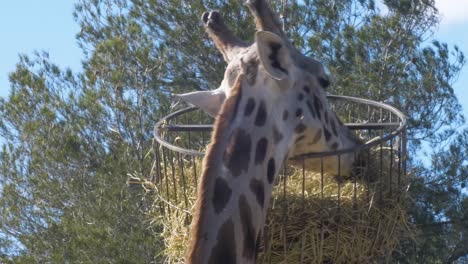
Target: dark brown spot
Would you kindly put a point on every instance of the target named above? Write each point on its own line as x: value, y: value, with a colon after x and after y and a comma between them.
x: 260, y: 151
x: 300, y: 128
x: 327, y: 134
x: 225, y: 249
x: 222, y: 194
x: 285, y: 115
x: 300, y: 96
x: 249, y: 107
x: 271, y: 170
x: 323, y: 82
x: 257, y: 188
x: 317, y: 137
x: 335, y: 146
x: 277, y: 136
x: 299, y: 112
x: 311, y: 109
x: 260, y: 119
x: 275, y: 47
x: 306, y: 89
x: 247, y: 228
x: 333, y: 125
x: 237, y: 155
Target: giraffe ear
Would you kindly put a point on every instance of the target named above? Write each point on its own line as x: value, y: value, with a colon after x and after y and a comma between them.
x: 274, y: 54
x: 208, y: 101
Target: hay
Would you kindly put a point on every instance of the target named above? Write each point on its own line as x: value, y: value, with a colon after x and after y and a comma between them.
x: 308, y: 227
x: 348, y: 222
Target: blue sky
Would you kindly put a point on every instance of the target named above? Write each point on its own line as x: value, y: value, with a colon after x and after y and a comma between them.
x: 48, y: 25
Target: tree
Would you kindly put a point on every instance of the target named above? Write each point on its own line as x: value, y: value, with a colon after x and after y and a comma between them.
x: 72, y: 138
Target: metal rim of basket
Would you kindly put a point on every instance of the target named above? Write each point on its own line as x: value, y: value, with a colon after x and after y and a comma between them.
x: 401, y: 126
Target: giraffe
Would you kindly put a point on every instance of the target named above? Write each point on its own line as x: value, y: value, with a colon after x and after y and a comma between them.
x: 270, y: 105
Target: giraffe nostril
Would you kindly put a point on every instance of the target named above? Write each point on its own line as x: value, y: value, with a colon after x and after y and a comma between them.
x: 214, y: 15
x: 205, y: 17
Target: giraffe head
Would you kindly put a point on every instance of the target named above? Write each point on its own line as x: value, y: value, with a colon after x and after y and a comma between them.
x: 271, y: 105
x: 282, y: 72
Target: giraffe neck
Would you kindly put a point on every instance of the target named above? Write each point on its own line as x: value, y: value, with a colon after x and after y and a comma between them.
x: 238, y: 172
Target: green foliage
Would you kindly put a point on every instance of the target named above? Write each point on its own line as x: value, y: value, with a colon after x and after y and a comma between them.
x: 64, y: 195
x: 69, y: 139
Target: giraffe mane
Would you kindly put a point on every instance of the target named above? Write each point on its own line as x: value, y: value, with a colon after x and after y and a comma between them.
x: 221, y: 127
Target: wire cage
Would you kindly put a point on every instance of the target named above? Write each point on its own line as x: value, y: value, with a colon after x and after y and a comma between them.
x: 313, y: 217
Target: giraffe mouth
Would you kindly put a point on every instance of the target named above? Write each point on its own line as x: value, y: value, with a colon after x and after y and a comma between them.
x: 213, y: 21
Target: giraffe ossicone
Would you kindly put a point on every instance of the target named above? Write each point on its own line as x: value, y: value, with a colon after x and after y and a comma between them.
x: 271, y: 105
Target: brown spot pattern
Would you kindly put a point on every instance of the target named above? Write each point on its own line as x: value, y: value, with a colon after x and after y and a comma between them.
x: 271, y: 170
x: 327, y: 134
x: 260, y: 151
x: 300, y: 96
x: 247, y: 228
x: 249, y: 107
x: 225, y: 249
x: 311, y: 109
x: 260, y: 119
x: 277, y: 136
x: 257, y: 188
x: 222, y: 194
x: 237, y: 155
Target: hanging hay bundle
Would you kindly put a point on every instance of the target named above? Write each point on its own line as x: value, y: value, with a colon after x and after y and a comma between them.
x: 312, y: 218
x: 315, y: 221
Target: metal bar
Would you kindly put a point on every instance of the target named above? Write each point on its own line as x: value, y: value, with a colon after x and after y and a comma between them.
x: 285, y: 220
x: 166, y: 177
x: 390, y: 178
x: 209, y: 128
x: 184, y: 185
x: 174, y: 181
x: 158, y: 181
x: 338, y: 210
x: 163, y: 125
x: 381, y: 179
x: 195, y: 177
x: 356, y: 157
